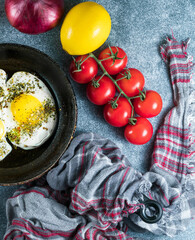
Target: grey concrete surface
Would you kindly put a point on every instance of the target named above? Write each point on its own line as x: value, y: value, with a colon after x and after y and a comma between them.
x: 139, y: 27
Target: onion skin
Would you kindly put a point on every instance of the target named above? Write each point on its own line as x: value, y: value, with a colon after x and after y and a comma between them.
x: 34, y: 16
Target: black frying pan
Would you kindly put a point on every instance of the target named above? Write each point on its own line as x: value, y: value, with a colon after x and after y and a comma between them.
x: 21, y: 166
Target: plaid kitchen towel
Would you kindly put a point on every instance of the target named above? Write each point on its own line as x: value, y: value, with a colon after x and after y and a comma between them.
x: 93, y: 193
x: 171, y: 179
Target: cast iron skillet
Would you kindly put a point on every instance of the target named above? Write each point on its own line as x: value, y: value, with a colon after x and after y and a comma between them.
x: 21, y: 166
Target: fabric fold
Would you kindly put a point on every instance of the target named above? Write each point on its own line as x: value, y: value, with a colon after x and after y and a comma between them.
x: 172, y: 171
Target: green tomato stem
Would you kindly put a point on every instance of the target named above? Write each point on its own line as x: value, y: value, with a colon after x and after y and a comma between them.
x: 82, y: 61
x: 113, y: 80
x: 106, y: 58
x: 101, y: 77
x: 108, y: 75
x: 79, y: 63
x: 138, y: 96
x: 118, y: 97
x: 119, y: 79
x: 96, y: 83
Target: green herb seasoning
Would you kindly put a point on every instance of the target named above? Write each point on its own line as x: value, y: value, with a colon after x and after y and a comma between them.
x: 27, y: 87
x: 2, y: 95
x: 49, y: 109
x: 3, y: 151
x: 14, y: 135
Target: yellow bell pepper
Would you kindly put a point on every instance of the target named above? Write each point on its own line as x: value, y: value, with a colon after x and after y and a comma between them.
x: 85, y: 28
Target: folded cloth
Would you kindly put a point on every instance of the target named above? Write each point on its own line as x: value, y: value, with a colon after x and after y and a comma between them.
x: 171, y: 179
x: 94, y: 193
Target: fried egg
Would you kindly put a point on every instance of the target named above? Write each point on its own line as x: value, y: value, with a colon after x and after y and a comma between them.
x: 5, y: 147
x: 30, y: 111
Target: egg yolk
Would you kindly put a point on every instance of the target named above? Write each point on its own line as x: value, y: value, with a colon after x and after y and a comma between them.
x: 27, y: 109
x: 2, y: 130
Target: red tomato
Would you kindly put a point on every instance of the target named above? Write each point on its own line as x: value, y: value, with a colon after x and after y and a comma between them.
x: 132, y: 80
x: 101, y: 94
x: 118, y: 117
x: 117, y: 63
x: 140, y: 133
x: 150, y: 106
x: 83, y: 71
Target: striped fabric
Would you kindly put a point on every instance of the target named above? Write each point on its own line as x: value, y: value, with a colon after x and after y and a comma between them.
x: 93, y: 193
x: 173, y: 149
x: 173, y: 159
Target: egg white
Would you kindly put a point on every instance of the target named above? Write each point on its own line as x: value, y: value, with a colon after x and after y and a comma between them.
x: 5, y: 147
x: 35, y: 87
x: 3, y: 77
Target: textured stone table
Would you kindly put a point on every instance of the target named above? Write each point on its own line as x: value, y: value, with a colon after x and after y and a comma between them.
x: 139, y: 27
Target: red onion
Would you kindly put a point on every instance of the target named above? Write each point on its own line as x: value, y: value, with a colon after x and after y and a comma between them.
x: 34, y: 16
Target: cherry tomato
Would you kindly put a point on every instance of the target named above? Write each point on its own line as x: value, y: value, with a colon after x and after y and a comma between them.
x: 150, y: 106
x: 116, y: 63
x: 83, y: 69
x: 118, y: 117
x: 132, y: 80
x: 102, y: 91
x: 140, y: 133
